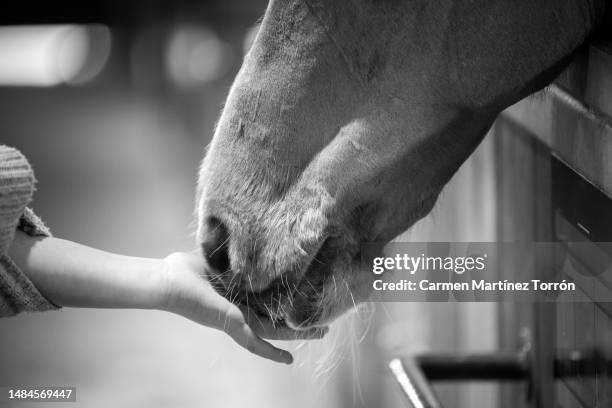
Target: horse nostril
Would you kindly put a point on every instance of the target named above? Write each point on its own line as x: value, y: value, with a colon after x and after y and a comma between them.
x: 215, y: 245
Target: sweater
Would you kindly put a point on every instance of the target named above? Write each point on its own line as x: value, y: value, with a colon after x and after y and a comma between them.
x: 17, y: 292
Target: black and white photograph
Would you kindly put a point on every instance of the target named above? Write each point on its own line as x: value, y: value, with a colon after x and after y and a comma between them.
x: 306, y: 204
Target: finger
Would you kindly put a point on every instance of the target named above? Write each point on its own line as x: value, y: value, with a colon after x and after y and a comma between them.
x: 218, y: 313
x: 267, y: 329
x: 314, y: 333
x: 242, y: 334
x: 286, y: 333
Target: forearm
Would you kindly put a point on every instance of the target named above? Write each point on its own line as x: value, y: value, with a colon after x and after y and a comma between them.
x: 70, y: 274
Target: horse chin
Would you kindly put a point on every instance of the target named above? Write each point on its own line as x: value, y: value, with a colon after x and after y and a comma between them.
x: 326, y: 293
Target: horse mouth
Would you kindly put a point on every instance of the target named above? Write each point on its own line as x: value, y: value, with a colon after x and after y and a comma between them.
x: 301, y: 304
x: 297, y: 307
x: 288, y: 302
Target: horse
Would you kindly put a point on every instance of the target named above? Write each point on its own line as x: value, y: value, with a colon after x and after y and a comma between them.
x: 343, y: 125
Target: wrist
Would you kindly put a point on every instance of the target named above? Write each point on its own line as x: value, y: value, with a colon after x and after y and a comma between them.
x: 155, y: 283
x: 180, y: 287
x: 164, y: 295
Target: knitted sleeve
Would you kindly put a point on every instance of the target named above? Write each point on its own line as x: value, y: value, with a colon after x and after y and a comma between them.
x: 17, y: 292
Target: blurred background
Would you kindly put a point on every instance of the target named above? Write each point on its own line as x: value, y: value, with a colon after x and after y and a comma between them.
x: 113, y: 103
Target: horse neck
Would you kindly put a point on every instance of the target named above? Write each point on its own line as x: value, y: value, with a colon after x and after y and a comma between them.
x: 478, y: 54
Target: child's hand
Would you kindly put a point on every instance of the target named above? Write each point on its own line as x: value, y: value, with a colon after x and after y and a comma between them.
x: 189, y: 294
x: 71, y: 274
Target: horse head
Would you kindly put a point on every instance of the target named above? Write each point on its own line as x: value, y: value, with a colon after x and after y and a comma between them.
x: 343, y: 125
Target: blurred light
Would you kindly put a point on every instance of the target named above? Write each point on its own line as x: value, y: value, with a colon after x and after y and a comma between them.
x: 49, y: 55
x: 98, y: 52
x: 195, y: 55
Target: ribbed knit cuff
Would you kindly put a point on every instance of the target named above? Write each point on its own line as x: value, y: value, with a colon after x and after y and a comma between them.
x: 16, y: 190
x: 17, y: 292
x: 32, y: 225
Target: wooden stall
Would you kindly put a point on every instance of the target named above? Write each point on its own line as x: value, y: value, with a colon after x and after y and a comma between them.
x: 553, y: 183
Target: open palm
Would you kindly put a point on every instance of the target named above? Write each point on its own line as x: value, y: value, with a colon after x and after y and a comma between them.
x: 189, y: 294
